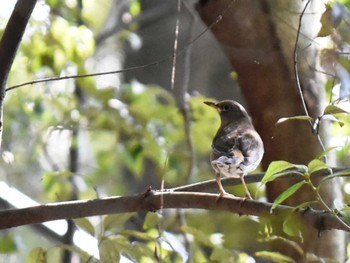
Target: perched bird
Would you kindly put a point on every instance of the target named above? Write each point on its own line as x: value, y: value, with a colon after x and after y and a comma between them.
x: 237, y: 148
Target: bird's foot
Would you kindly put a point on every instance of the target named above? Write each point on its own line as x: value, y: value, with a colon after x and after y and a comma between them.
x: 223, y: 194
x: 248, y: 196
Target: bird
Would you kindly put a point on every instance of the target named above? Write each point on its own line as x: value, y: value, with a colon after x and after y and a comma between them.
x: 237, y: 148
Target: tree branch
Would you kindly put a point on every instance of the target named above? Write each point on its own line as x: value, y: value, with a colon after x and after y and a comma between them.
x: 10, y: 42
x: 151, y: 201
x: 211, y: 185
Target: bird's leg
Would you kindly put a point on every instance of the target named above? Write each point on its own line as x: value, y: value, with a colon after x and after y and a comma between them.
x: 221, y: 188
x: 247, y: 194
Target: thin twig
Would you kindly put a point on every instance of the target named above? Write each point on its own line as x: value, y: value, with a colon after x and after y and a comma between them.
x: 155, y: 63
x: 176, y: 42
x: 296, y: 74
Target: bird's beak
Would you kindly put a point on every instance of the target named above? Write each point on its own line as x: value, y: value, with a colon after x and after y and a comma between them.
x: 211, y: 104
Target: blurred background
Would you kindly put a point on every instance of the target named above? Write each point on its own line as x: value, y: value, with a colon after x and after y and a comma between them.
x: 118, y: 134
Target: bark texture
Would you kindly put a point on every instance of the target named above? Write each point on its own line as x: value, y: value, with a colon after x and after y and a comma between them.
x: 259, y: 38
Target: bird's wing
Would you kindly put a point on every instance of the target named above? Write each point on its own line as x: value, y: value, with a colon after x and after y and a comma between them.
x: 250, y: 145
x: 243, y: 145
x: 228, y: 146
x: 224, y: 145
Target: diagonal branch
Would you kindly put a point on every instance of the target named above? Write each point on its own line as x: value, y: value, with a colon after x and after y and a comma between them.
x: 151, y: 201
x: 10, y: 42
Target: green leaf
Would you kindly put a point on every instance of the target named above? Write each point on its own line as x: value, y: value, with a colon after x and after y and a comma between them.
x: 326, y: 22
x: 274, y: 169
x: 108, y: 251
x: 84, y: 256
x: 135, y: 250
x: 292, y: 226
x: 345, y: 212
x: 287, y: 193
x: 151, y: 220
x: 332, y: 109
x: 85, y: 224
x: 198, y: 235
x: 148, y: 236
x: 7, y: 244
x: 343, y: 173
x: 325, y: 152
x: 333, y: 119
x: 317, y: 165
x: 36, y: 255
x: 274, y: 257
x: 220, y: 254
x: 301, y: 117
x: 116, y: 222
x: 135, y: 8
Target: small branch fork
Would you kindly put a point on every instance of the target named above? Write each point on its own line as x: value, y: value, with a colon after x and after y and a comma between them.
x: 152, y: 201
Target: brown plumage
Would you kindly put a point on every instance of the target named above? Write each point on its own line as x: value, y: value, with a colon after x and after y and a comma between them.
x: 237, y: 148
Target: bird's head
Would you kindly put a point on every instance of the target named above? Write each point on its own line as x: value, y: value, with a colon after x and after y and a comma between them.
x: 230, y: 111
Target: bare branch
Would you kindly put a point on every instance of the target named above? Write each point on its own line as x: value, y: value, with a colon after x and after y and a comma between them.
x: 150, y: 201
x: 12, y: 38
x: 10, y: 42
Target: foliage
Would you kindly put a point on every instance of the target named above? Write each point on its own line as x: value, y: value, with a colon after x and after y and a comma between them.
x: 132, y: 136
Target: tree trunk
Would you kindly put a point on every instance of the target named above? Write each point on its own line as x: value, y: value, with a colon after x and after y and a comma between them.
x: 259, y: 38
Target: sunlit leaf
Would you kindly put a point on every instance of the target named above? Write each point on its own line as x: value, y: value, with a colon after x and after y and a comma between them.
x: 7, y: 244
x: 147, y: 236
x: 135, y: 250
x: 36, y: 255
x: 58, y: 185
x: 274, y: 257
x: 84, y: 256
x: 108, y: 251
x: 292, y: 226
x: 275, y: 168
x: 325, y: 152
x: 287, y: 193
x: 302, y: 118
x: 345, y: 212
x: 85, y: 224
x: 220, y: 254
x: 332, y: 109
x: 333, y: 119
x: 198, y: 235
x: 317, y: 165
x: 135, y: 8
x: 116, y: 222
x: 151, y: 220
x: 326, y: 22
x: 343, y: 173
x: 205, y: 125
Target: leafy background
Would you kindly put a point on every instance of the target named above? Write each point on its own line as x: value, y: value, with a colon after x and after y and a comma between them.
x: 104, y: 136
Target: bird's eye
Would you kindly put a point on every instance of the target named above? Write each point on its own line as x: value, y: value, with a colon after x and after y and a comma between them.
x: 226, y: 107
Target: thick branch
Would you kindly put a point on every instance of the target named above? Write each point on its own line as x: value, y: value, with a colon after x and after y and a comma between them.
x: 12, y: 38
x: 154, y: 200
x: 10, y: 42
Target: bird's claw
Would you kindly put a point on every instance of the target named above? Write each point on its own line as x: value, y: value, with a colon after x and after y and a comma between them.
x: 248, y: 196
x: 225, y: 194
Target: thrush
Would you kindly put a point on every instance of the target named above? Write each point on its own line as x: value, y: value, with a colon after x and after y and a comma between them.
x: 237, y: 148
